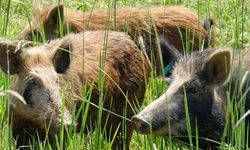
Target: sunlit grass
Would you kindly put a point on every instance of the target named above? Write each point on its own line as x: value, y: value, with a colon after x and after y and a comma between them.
x: 232, y: 19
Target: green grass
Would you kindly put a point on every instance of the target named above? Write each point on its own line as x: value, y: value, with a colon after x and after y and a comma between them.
x: 232, y: 18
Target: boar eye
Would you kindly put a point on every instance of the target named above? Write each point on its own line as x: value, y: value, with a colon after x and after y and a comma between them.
x: 57, y: 80
x: 33, y: 34
x: 193, y: 89
x: 28, y: 91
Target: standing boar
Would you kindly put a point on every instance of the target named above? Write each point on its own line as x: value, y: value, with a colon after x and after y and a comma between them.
x: 202, y: 78
x: 180, y: 25
x: 46, y: 73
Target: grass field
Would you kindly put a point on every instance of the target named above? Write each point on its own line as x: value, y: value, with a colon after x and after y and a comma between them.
x: 232, y: 19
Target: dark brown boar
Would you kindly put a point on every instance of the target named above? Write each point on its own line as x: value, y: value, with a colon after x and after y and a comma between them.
x: 180, y: 25
x: 203, y: 78
x: 46, y: 73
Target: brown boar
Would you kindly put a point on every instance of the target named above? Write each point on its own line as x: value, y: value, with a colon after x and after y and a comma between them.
x: 180, y: 25
x: 203, y: 78
x: 46, y: 73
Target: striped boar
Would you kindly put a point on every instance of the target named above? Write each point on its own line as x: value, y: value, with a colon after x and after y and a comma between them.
x: 180, y: 25
x: 200, y: 81
x: 46, y: 73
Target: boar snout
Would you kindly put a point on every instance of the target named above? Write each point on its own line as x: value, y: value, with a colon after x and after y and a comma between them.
x: 159, y: 117
x: 140, y: 125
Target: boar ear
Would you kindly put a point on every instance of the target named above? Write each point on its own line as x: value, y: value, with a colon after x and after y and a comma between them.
x: 169, y: 54
x: 10, y: 61
x: 61, y: 59
x: 56, y: 15
x: 217, y: 68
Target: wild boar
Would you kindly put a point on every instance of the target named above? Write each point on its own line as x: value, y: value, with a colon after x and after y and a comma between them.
x: 200, y: 81
x: 62, y: 68
x: 180, y: 25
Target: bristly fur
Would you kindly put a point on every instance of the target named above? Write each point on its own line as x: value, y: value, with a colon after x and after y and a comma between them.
x: 194, y: 63
x: 172, y: 22
x: 124, y: 69
x: 211, y: 81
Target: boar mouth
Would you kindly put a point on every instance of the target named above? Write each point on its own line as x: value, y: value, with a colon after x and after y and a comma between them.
x: 140, y: 125
x: 157, y: 126
x: 143, y: 126
x: 53, y: 118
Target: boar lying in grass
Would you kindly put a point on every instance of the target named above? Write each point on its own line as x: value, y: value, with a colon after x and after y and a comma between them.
x: 180, y: 25
x: 62, y: 68
x: 212, y: 85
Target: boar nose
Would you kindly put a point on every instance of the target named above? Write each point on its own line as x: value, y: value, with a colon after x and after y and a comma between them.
x: 140, y: 125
